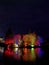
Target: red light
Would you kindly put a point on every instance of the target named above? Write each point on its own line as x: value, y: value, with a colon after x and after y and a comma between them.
x: 8, y: 52
x: 9, y: 41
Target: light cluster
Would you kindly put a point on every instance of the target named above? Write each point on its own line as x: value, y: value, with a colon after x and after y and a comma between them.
x: 24, y: 53
x: 25, y: 40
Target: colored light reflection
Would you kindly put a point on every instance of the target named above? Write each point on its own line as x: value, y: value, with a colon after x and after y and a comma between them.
x: 25, y: 55
x: 1, y: 49
x: 9, y: 52
x: 33, y: 54
x: 15, y: 50
x: 17, y: 53
x: 39, y: 52
x: 29, y: 54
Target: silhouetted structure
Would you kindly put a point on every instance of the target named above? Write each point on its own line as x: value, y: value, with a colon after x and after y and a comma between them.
x: 9, y: 37
x: 9, y: 34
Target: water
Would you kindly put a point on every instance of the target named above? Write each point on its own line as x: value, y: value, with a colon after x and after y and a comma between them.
x: 24, y: 56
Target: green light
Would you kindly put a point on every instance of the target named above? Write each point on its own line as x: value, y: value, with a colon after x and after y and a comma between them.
x: 32, y: 45
x: 33, y: 54
x: 32, y: 49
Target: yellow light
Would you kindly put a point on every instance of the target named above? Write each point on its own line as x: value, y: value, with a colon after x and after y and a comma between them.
x: 15, y: 50
x: 32, y: 45
x: 33, y: 56
x: 15, y: 45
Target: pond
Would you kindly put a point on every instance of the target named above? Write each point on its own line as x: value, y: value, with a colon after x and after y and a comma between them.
x: 24, y: 56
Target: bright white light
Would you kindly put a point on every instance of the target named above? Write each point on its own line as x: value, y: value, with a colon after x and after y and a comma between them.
x: 15, y: 45
x: 32, y: 45
x: 16, y: 50
x: 1, y: 49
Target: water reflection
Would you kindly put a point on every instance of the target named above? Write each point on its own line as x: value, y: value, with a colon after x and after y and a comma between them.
x: 39, y: 52
x: 9, y: 52
x: 33, y: 55
x: 1, y: 49
x: 17, y: 53
x: 29, y: 54
x: 24, y: 54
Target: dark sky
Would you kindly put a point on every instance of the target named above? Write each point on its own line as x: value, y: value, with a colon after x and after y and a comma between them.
x: 24, y: 15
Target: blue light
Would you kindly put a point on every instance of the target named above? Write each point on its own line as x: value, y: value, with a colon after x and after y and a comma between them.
x: 40, y: 52
x: 41, y: 40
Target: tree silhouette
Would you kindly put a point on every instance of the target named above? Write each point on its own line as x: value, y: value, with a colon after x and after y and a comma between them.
x: 9, y: 33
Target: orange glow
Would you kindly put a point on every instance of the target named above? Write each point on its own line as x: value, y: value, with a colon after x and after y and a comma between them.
x: 29, y: 39
x: 25, y: 38
x: 25, y: 56
x: 25, y: 44
x: 29, y: 55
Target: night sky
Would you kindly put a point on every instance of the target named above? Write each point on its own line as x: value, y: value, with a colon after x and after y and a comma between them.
x: 25, y: 15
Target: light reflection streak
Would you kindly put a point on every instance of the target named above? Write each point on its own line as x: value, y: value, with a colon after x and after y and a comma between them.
x: 1, y: 49
x: 8, y: 52
x: 17, y: 53
x: 15, y: 50
x: 1, y: 53
x: 39, y: 52
x: 33, y: 55
x: 29, y: 54
x: 24, y: 53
